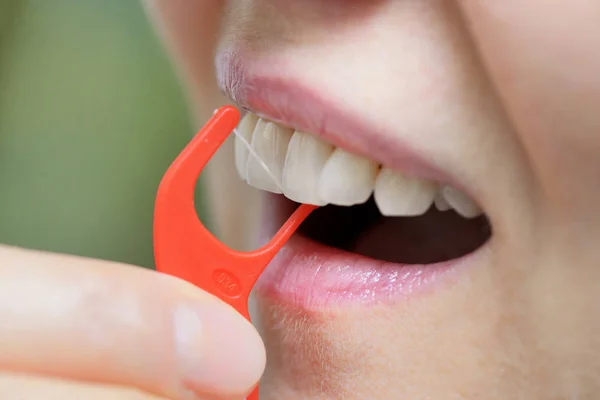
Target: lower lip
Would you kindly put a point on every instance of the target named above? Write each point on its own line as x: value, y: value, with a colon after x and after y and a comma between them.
x: 317, y: 277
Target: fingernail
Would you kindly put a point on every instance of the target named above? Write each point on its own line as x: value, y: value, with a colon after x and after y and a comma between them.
x: 220, y: 352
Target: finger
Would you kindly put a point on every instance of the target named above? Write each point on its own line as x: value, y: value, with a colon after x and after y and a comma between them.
x: 106, y: 322
x: 23, y: 387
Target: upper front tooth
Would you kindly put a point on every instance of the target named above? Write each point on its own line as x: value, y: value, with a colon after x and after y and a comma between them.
x: 245, y: 130
x: 264, y: 168
x: 306, y: 157
x: 347, y: 179
x: 462, y: 203
x: 398, y: 195
x: 440, y: 203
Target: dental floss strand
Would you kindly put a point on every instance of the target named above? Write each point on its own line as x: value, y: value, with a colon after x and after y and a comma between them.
x: 254, y: 154
x: 259, y: 159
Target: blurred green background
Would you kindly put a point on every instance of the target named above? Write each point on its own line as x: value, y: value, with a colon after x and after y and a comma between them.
x: 91, y: 115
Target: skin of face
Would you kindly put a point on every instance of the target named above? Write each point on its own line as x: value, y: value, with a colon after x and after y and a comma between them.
x: 505, y: 95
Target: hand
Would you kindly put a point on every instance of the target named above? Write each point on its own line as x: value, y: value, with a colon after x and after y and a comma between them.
x: 74, y: 328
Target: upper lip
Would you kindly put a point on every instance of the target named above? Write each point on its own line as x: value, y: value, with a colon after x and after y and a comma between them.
x: 266, y: 92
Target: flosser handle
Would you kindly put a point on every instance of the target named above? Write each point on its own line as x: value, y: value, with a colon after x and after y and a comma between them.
x: 184, y: 248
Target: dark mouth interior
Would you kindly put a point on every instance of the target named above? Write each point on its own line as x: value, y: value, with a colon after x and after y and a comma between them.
x: 436, y: 236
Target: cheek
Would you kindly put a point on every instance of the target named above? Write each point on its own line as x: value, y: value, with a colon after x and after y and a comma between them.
x: 544, y: 62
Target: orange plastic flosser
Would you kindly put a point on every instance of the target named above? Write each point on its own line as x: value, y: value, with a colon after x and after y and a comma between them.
x: 183, y: 247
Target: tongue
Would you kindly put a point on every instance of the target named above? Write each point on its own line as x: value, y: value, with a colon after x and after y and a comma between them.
x: 433, y: 237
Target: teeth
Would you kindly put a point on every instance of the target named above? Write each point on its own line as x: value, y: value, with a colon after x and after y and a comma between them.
x: 440, y: 203
x: 461, y: 202
x: 347, y: 179
x: 305, y: 160
x: 270, y: 143
x: 398, y: 195
x: 245, y: 129
x: 309, y: 170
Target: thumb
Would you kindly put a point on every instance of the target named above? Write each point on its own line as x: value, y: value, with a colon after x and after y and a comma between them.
x: 103, y: 322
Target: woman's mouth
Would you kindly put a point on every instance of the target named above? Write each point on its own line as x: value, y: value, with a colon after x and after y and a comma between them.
x: 392, y: 222
x: 378, y: 234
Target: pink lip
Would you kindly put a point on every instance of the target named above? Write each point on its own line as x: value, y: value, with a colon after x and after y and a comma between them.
x: 316, y: 277
x: 306, y: 273
x: 261, y: 86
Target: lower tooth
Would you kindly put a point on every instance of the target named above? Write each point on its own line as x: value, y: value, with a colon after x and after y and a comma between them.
x: 398, y: 195
x: 462, y: 203
x: 347, y: 179
x: 270, y: 143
